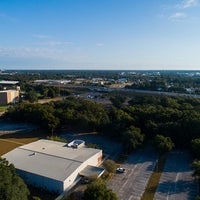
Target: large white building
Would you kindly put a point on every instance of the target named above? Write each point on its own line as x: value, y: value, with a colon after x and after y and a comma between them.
x: 54, y: 165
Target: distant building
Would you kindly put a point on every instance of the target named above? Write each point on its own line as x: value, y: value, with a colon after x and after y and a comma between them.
x: 54, y: 165
x: 9, y: 96
x: 9, y: 82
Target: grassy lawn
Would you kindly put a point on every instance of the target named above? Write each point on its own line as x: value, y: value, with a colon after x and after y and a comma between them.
x: 154, y: 179
x: 6, y: 147
x: 10, y: 141
x: 13, y: 140
x: 3, y: 108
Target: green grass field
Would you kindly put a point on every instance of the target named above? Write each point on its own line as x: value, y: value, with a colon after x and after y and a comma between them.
x: 11, y: 141
x: 3, y: 108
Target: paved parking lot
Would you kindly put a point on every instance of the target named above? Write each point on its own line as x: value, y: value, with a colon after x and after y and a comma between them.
x: 176, y: 182
x: 110, y: 147
x: 10, y: 127
x: 131, y: 184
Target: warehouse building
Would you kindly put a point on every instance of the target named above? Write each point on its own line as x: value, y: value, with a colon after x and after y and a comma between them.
x: 9, y: 96
x: 54, y: 165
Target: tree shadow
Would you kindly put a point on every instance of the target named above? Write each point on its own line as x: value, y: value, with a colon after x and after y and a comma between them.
x: 181, y: 186
x: 28, y: 133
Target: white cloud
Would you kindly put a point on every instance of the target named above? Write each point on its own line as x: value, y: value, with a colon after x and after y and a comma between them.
x: 50, y: 54
x: 178, y: 16
x: 39, y: 36
x: 53, y: 43
x: 56, y: 43
x: 27, y: 52
x: 99, y: 44
x: 187, y: 4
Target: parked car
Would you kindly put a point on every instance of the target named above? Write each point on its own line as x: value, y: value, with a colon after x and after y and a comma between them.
x: 120, y: 170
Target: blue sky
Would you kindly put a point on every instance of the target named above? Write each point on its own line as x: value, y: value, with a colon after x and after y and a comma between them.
x: 100, y: 34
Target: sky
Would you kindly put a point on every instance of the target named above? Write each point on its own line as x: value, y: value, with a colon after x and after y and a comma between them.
x: 100, y: 34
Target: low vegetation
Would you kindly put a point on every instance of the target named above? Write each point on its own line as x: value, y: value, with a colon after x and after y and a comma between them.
x: 3, y: 108
x: 154, y: 179
x: 110, y: 166
x: 57, y: 138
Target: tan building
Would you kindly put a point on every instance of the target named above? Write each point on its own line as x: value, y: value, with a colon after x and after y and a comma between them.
x: 9, y: 96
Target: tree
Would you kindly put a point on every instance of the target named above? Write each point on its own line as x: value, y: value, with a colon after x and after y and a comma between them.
x: 31, y: 96
x: 196, y: 168
x: 51, y: 93
x: 118, y: 100
x: 132, y: 138
x: 163, y: 144
x: 12, y: 187
x: 195, y: 147
x: 110, y: 166
x: 97, y: 190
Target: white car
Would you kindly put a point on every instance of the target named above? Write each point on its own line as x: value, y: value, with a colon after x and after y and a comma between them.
x: 120, y: 170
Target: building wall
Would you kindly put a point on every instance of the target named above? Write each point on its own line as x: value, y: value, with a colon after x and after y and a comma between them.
x: 41, y: 181
x: 9, y: 96
x: 12, y: 96
x: 3, y: 98
x: 93, y: 161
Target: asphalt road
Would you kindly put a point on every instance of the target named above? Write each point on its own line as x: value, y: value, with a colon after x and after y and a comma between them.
x: 131, y: 184
x: 111, y: 149
x: 9, y: 127
x: 176, y: 182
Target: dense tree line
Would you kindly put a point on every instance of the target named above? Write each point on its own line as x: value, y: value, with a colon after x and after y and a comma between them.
x: 143, y: 118
x: 34, y: 92
x: 72, y: 112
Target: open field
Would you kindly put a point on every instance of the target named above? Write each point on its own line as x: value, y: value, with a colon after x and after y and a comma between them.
x: 6, y: 146
x: 11, y: 137
x: 3, y: 108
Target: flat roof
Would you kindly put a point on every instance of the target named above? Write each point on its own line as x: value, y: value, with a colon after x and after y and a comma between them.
x: 4, y: 91
x: 49, y: 158
x: 9, y: 82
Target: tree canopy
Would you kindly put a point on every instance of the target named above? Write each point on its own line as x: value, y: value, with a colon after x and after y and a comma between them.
x: 163, y: 144
x: 195, y: 148
x: 97, y: 190
x: 12, y: 187
x: 145, y: 117
x: 196, y: 168
x: 110, y: 166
